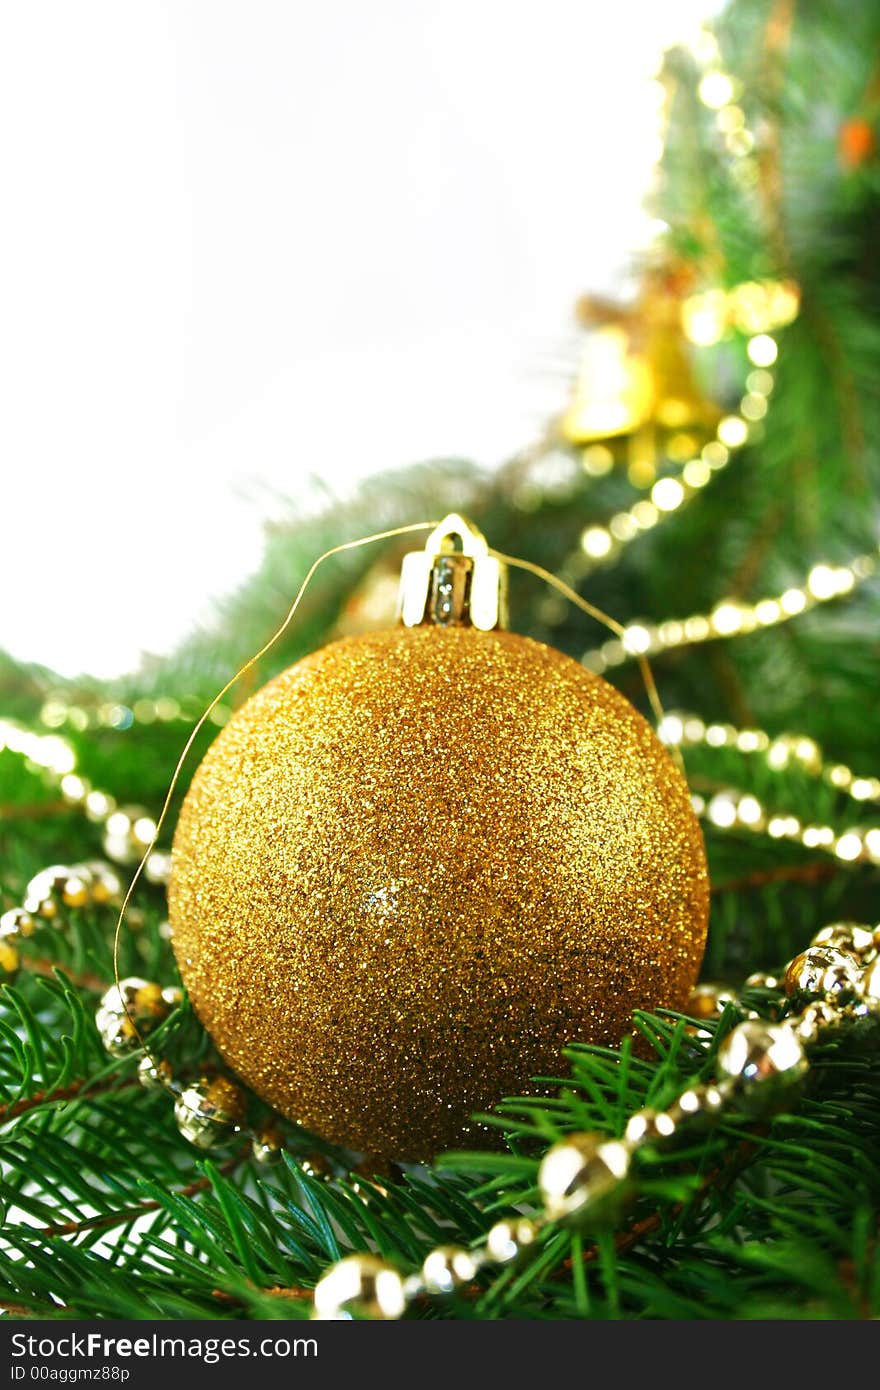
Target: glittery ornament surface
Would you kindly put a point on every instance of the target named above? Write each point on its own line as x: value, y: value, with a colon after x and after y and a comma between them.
x: 416, y: 865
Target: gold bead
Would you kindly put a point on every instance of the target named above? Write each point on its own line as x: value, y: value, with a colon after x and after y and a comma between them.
x: 765, y: 1059
x: 360, y: 1286
x: 48, y: 882
x: 448, y: 1267
x: 128, y: 831
x: 713, y: 1099
x: 117, y: 1032
x: 76, y: 891
x: 761, y: 980
x: 208, y: 1113
x: 10, y: 960
x: 267, y: 1146
x: 45, y: 890
x: 709, y: 1001
x: 317, y: 1166
x: 580, y: 1177
x: 822, y: 972
x: 850, y: 936
x: 696, y: 1103
x: 157, y: 869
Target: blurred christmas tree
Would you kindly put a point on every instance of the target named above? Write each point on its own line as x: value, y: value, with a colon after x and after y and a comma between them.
x: 712, y: 484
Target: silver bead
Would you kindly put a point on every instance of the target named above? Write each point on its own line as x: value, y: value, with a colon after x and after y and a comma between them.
x: 761, y: 980
x: 822, y: 972
x: 105, y: 886
x: 580, y: 1177
x: 127, y: 832
x: 154, y: 1074
x: 869, y: 987
x: 765, y: 1059
x: 507, y: 1239
x: 448, y: 1267
x: 360, y: 1286
x: 45, y: 891
x: 158, y: 866
x: 16, y: 923
x: 649, y: 1126
x: 128, y: 1012
x: 815, y: 1020
x: 850, y: 936
x: 208, y: 1113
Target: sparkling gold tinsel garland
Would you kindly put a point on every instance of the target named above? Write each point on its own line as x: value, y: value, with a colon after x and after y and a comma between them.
x: 733, y: 617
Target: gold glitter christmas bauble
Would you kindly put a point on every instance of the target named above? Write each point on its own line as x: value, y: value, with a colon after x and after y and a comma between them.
x: 415, y: 866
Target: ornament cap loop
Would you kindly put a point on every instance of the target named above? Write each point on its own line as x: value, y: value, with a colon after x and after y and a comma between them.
x: 454, y: 581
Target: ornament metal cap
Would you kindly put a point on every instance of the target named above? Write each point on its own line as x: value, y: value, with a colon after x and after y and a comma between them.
x: 454, y: 581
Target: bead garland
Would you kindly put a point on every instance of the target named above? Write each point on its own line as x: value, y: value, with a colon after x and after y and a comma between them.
x: 57, y: 711
x: 48, y: 894
x: 209, y: 1110
x: 732, y: 809
x: 732, y: 617
x: 126, y: 830
x: 687, y: 730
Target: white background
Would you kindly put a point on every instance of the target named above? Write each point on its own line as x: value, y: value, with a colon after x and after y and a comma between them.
x: 246, y: 244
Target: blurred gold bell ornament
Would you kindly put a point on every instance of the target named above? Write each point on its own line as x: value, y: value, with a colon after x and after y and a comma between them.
x: 416, y: 865
x: 635, y: 392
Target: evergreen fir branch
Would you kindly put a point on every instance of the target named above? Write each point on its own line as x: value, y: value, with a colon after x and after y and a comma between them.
x: 108, y: 1212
